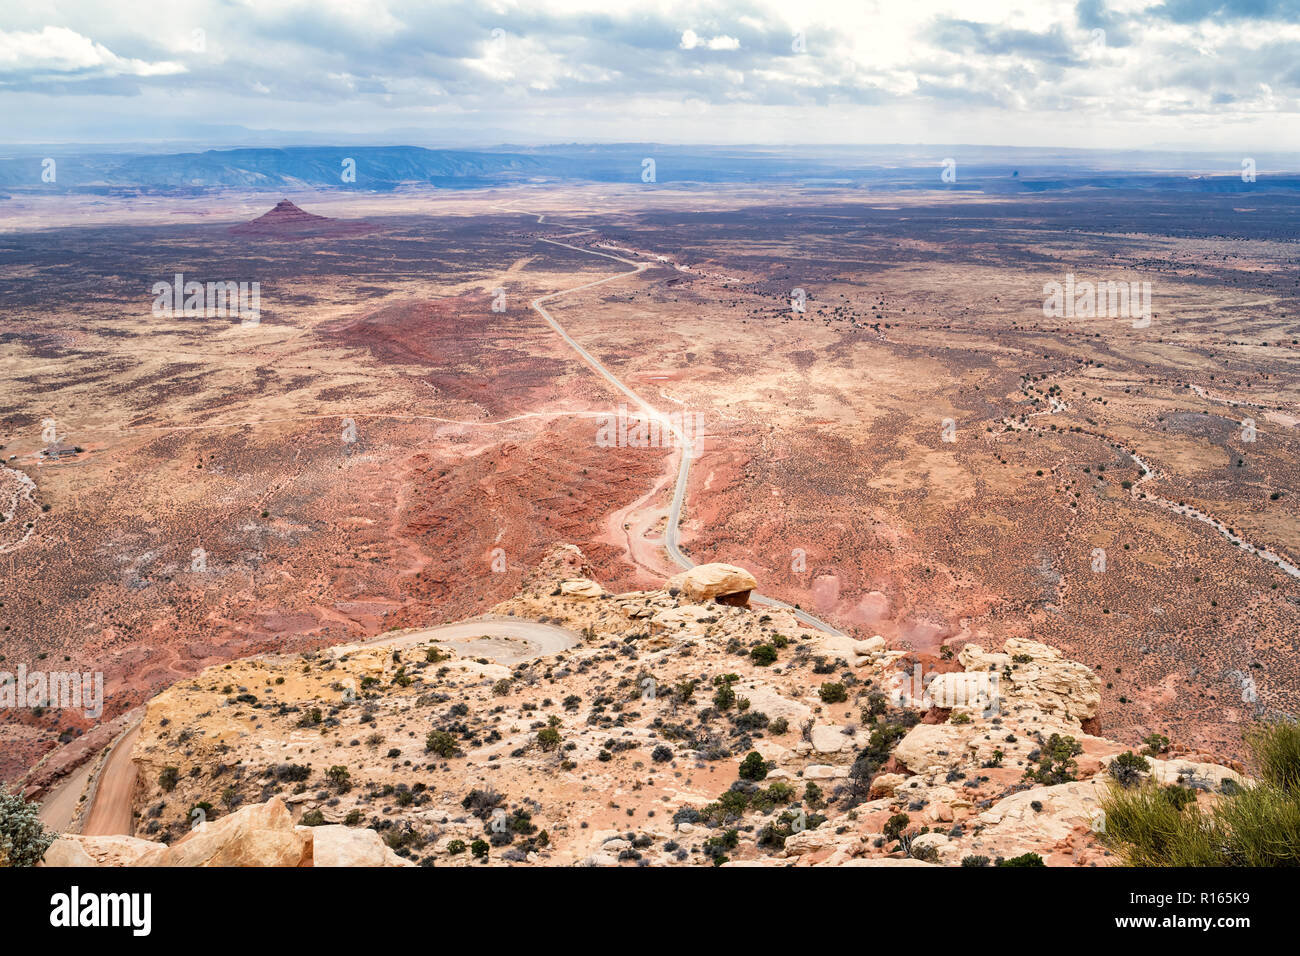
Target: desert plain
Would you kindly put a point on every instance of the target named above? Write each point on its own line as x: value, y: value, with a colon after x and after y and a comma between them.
x: 910, y: 447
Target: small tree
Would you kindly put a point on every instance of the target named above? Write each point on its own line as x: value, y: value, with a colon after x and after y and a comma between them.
x: 1128, y: 768
x: 23, y: 838
x: 753, y: 767
x: 895, y: 825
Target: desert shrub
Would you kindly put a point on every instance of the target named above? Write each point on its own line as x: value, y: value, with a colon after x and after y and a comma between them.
x: 1253, y: 825
x: 763, y: 655
x: 884, y: 737
x: 455, y: 847
x: 441, y: 743
x: 779, y: 793
x: 877, y: 704
x: 753, y: 767
x: 312, y: 818
x: 168, y: 778
x: 23, y: 838
x: 1128, y: 768
x: 975, y: 860
x: 1025, y: 859
x: 833, y: 693
x: 895, y: 825
x: 1056, y: 763
x: 724, y: 696
x: 778, y: 726
x: 481, y: 803
x: 661, y: 754
x: 749, y: 719
x: 1276, y: 752
x: 716, y: 846
x: 339, y: 778
x: 502, y: 687
x: 1156, y: 744
x: 479, y: 848
x: 548, y: 738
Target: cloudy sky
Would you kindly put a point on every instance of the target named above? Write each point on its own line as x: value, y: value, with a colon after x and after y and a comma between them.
x: 1191, y: 74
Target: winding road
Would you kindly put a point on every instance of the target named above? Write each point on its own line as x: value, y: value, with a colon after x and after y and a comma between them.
x: 685, y: 445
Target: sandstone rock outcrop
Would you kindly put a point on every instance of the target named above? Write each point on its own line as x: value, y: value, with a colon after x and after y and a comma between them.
x: 714, y: 582
x: 261, y: 834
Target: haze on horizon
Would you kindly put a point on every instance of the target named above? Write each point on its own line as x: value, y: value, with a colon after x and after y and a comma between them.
x: 1194, y: 75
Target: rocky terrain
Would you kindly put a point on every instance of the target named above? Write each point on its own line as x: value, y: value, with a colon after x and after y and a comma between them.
x: 386, y: 449
x: 683, y: 728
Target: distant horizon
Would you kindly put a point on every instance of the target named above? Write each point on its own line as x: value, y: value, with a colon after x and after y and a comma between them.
x: 1169, y: 75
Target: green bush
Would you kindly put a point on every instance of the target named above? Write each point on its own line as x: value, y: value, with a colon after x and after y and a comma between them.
x: 312, y: 818
x: 1276, y: 749
x: 23, y: 838
x: 763, y: 655
x: 832, y: 693
x: 441, y: 743
x: 1025, y: 859
x: 724, y: 697
x: 975, y: 860
x: 455, y: 847
x: 1156, y: 744
x: 548, y: 738
x: 1056, y: 763
x: 1254, y: 825
x: 1128, y: 768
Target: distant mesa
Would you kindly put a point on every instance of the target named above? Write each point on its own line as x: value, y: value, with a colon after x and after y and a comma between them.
x: 287, y: 219
x: 284, y: 213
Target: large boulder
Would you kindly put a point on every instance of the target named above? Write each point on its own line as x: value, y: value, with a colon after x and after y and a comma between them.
x: 715, y: 582
x: 261, y: 834
x: 583, y: 589
x: 337, y: 845
x: 66, y: 851
x: 1039, y: 677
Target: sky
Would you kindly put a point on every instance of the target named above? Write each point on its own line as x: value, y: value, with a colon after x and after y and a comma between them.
x: 1112, y: 74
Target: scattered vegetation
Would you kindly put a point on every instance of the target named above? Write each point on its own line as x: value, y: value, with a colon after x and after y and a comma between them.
x: 1254, y: 825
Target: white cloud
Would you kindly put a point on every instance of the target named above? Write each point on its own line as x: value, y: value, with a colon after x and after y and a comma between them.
x: 58, y: 50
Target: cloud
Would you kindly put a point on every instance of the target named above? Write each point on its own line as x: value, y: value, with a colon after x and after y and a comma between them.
x: 62, y: 54
x: 1196, y: 11
x: 582, y: 68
